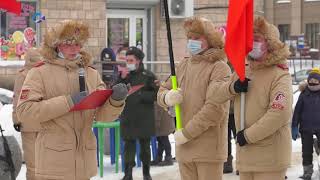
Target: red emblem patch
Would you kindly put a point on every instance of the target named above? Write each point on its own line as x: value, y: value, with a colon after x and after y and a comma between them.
x: 278, y: 102
x: 24, y: 94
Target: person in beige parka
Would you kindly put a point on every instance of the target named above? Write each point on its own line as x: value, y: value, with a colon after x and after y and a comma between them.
x: 28, y: 133
x: 65, y: 147
x: 201, y: 146
x: 264, y: 145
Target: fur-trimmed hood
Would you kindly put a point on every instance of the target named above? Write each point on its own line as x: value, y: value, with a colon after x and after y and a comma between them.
x: 302, y: 86
x: 32, y: 56
x: 277, y: 52
x: 67, y: 32
x: 197, y: 26
x: 210, y: 55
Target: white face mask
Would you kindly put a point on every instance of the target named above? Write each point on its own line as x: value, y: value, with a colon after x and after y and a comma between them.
x: 194, y: 46
x: 131, y: 67
x: 256, y: 52
x: 61, y: 56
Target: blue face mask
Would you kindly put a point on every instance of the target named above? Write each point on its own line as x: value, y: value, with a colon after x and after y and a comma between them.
x: 194, y: 46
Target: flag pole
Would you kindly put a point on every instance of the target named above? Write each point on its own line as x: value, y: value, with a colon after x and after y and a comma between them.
x: 172, y: 66
x: 242, y: 110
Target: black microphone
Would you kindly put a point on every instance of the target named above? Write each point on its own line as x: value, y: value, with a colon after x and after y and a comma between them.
x: 82, y: 82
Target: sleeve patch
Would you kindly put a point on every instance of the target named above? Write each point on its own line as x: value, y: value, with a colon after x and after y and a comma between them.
x: 279, y: 101
x: 24, y: 94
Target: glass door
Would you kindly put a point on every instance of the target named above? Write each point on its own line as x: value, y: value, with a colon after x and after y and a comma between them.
x: 126, y: 28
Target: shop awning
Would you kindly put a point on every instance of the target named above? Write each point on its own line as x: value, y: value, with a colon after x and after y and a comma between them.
x: 128, y: 3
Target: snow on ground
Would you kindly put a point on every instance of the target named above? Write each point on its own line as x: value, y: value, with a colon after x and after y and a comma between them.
x: 172, y: 172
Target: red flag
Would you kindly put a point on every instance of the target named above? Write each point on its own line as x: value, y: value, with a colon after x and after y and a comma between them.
x: 11, y: 6
x: 239, y: 39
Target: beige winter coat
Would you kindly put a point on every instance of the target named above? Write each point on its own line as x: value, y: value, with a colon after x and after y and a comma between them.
x: 268, y: 113
x: 31, y: 58
x: 204, y: 122
x: 65, y: 146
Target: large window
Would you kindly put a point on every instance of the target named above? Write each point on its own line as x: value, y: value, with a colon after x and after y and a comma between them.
x: 283, y: 1
x: 312, y: 34
x: 18, y: 33
x: 284, y: 30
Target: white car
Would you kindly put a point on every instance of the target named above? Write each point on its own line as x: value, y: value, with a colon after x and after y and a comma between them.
x: 6, y: 122
x: 6, y: 96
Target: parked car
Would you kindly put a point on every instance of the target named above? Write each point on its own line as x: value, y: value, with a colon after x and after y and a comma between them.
x: 6, y: 122
x: 300, y: 75
x: 6, y: 96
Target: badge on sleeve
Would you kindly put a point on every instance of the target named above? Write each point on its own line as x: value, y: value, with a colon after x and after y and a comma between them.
x: 279, y: 101
x: 24, y: 94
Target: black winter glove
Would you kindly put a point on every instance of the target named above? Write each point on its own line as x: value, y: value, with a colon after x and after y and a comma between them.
x: 17, y: 127
x: 76, y: 98
x: 241, y: 86
x: 241, y: 139
x: 120, y: 92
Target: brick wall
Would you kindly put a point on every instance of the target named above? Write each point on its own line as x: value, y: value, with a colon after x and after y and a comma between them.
x: 93, y: 12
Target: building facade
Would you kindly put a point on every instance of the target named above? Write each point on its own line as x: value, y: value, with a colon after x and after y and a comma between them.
x: 113, y: 23
x: 296, y: 18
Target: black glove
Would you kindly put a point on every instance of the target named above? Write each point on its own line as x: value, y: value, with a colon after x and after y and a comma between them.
x: 17, y: 127
x: 76, y: 98
x: 120, y: 92
x: 241, y: 139
x: 241, y: 86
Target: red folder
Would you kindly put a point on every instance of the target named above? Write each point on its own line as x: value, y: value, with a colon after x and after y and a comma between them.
x: 135, y: 89
x: 94, y: 100
x: 98, y: 98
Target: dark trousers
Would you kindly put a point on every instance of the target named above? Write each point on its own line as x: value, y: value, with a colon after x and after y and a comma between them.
x: 164, y: 145
x: 130, y: 151
x: 307, y: 146
x: 231, y: 129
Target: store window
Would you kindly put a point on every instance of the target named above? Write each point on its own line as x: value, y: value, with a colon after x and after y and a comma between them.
x: 126, y: 28
x: 283, y: 1
x: 312, y: 34
x: 18, y: 33
x: 284, y: 30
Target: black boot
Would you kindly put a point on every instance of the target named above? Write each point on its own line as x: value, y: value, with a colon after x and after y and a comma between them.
x: 156, y: 161
x: 227, y: 166
x: 127, y: 173
x: 167, y: 161
x: 146, y: 172
x: 307, y: 172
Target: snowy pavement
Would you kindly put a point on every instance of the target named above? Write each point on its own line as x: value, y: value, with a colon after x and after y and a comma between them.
x: 172, y: 172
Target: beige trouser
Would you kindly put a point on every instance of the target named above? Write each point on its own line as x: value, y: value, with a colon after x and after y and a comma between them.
x: 201, y: 171
x: 279, y: 175
x: 28, y: 145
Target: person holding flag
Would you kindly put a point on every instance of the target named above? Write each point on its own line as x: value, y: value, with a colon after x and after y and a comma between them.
x: 264, y: 143
x: 201, y: 144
